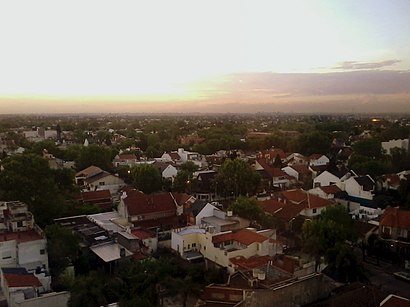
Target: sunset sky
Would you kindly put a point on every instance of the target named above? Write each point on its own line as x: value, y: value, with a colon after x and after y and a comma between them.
x: 207, y: 56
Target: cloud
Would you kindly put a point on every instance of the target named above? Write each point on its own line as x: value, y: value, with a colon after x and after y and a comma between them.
x: 353, y: 65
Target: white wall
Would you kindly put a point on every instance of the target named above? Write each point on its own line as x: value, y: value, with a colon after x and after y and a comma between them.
x: 169, y: 172
x: 29, y: 254
x: 54, y: 299
x: 323, y: 160
x: 8, y: 254
x: 324, y: 179
x: 353, y: 188
x: 206, y: 211
x: 291, y: 172
x: 388, y: 146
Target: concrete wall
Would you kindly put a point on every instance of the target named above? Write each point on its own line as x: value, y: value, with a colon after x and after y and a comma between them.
x: 299, y: 293
x: 325, y: 179
x: 8, y: 254
x: 29, y: 254
x: 54, y: 299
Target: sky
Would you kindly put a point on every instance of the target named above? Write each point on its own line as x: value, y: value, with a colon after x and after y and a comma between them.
x: 206, y: 56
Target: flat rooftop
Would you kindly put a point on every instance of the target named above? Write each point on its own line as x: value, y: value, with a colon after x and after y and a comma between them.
x: 21, y: 236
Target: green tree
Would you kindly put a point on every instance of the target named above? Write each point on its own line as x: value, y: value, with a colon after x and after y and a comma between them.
x: 62, y: 247
x: 29, y: 179
x: 236, y: 177
x: 182, y: 181
x: 146, y: 178
x: 371, y: 148
x: 94, y: 155
x: 247, y: 208
x: 328, y: 236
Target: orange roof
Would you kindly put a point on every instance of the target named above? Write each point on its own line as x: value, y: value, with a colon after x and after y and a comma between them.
x: 18, y: 280
x: 395, y: 301
x: 244, y: 236
x: 331, y: 189
x: 139, y: 203
x: 301, y: 169
x: 271, y: 205
x: 299, y: 196
x: 272, y: 171
x: 127, y: 157
x: 290, y: 211
x: 250, y: 263
x: 143, y: 234
x: 89, y: 171
x: 95, y: 195
x: 394, y: 217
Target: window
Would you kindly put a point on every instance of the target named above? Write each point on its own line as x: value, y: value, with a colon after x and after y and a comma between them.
x: 20, y: 224
x: 6, y: 255
x: 314, y: 210
x: 42, y: 251
x: 193, y: 245
x: 101, y: 183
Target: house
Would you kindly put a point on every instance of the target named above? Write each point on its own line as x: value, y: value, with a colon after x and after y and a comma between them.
x: 125, y: 159
x: 395, y: 301
x: 389, y: 182
x: 160, y: 210
x: 298, y: 171
x: 182, y: 156
x: 394, y: 230
x: 294, y: 159
x: 360, y: 189
x: 22, y: 242
x: 167, y: 170
x: 331, y: 177
x: 198, y: 210
x: 400, y: 143
x: 276, y: 177
x: 221, y: 248
x: 205, y: 188
x: 220, y: 221
x: 329, y: 192
x: 312, y: 205
x: 94, y: 178
x: 18, y: 285
x: 148, y: 238
x: 318, y: 160
x: 270, y: 155
x: 101, y: 199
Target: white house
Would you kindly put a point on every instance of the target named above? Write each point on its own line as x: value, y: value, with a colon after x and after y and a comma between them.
x: 327, y: 178
x: 220, y: 248
x: 94, y: 178
x: 361, y: 187
x: 318, y: 160
x: 23, y: 243
x: 400, y: 143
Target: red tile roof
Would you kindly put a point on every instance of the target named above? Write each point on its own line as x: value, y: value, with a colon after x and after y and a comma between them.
x: 21, y: 236
x: 394, y: 217
x: 220, y: 294
x: 174, y: 156
x: 331, y: 189
x: 272, y: 171
x: 289, y: 212
x: 139, y: 203
x: 18, y: 280
x: 89, y: 171
x: 271, y: 205
x: 250, y: 263
x: 181, y: 198
x: 243, y: 236
x: 395, y: 301
x: 272, y: 153
x: 143, y: 234
x: 299, y: 196
x: 127, y: 157
x: 96, y: 195
x: 301, y: 169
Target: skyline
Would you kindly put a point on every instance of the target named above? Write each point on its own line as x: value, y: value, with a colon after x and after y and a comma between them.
x: 202, y: 56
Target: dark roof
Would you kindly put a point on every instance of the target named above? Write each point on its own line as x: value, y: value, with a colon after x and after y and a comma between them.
x: 95, y: 195
x: 365, y: 182
x: 197, y: 207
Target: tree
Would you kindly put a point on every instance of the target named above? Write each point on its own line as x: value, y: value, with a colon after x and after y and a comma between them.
x: 146, y: 178
x: 247, y: 208
x: 278, y: 162
x: 328, y: 236
x: 236, y: 177
x: 29, y: 179
x: 94, y: 155
x: 182, y: 181
x: 368, y: 148
x: 62, y: 247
